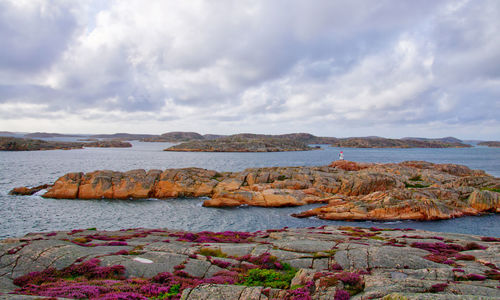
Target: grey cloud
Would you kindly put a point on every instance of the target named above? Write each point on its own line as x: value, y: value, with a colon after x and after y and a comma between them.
x: 360, y: 63
x: 34, y: 37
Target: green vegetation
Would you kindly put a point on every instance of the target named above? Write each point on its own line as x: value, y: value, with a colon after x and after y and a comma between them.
x: 173, y: 291
x: 416, y: 185
x: 395, y: 296
x: 270, y: 278
x: 492, y: 189
x: 416, y: 178
x: 282, y: 177
x: 217, y: 176
x: 212, y: 252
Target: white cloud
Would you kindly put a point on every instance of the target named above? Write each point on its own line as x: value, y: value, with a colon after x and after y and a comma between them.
x: 258, y: 66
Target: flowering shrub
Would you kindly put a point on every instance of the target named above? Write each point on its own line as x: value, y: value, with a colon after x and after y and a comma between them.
x: 352, y: 282
x: 214, y: 237
x: 490, y: 239
x: 438, y: 287
x: 472, y: 277
x: 341, y: 295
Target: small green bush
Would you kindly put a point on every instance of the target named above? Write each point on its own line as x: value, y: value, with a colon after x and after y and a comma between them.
x: 269, y: 278
x: 416, y: 185
x: 212, y: 252
x: 416, y: 178
x: 492, y: 190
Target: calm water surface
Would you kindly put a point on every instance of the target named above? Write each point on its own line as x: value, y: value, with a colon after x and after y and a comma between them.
x: 21, y: 215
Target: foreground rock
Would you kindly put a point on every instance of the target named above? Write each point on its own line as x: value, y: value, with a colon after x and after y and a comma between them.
x: 411, y: 190
x: 22, y: 144
x: 306, y: 263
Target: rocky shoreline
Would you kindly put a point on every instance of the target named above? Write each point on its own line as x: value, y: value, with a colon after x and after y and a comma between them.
x: 412, y: 190
x: 25, y: 144
x: 242, y: 144
x: 327, y: 262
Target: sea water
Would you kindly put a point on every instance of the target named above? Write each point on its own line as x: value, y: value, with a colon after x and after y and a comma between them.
x: 23, y: 214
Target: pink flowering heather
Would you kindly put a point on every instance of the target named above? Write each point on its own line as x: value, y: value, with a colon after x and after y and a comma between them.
x: 303, y: 293
x: 490, y: 239
x: 349, y: 278
x: 472, y: 277
x: 221, y: 263
x: 123, y: 296
x: 492, y: 274
x: 214, y: 237
x: 116, y: 244
x: 438, y: 287
x: 341, y: 295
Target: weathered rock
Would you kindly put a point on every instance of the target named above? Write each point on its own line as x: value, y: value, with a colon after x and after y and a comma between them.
x: 25, y: 191
x: 374, y: 263
x: 412, y: 190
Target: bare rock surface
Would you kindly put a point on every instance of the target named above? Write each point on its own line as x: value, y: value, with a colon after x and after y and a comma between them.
x: 412, y: 190
x: 321, y: 262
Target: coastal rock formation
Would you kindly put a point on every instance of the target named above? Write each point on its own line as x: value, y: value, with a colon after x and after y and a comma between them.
x: 414, y: 190
x: 108, y: 144
x: 174, y: 137
x: 495, y: 144
x: 379, y: 142
x: 327, y: 262
x: 22, y: 144
x: 25, y: 191
x: 242, y: 143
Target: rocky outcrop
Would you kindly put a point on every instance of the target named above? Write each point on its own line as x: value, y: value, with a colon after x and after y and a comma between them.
x: 108, y: 144
x: 174, y: 137
x: 379, y: 142
x: 327, y: 262
x: 414, y: 190
x: 242, y: 143
x: 22, y: 144
x: 495, y: 144
x: 25, y: 191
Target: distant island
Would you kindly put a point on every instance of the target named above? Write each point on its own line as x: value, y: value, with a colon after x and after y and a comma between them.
x: 175, y: 136
x: 242, y: 143
x: 495, y: 144
x: 49, y: 135
x: 379, y: 142
x: 24, y: 144
x: 249, y: 142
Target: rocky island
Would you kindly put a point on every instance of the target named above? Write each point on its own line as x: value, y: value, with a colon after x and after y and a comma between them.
x: 379, y: 142
x: 24, y: 144
x: 495, y: 144
x: 412, y: 190
x: 242, y: 143
x: 327, y: 262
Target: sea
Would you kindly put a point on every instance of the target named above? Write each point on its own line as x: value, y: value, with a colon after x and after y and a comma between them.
x: 20, y: 215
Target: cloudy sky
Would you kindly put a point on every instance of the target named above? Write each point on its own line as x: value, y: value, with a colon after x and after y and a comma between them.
x: 332, y: 68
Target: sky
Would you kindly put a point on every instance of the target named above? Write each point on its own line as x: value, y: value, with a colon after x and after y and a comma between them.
x: 331, y: 68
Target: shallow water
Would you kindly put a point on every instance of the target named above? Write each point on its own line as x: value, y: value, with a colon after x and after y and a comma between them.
x: 20, y: 215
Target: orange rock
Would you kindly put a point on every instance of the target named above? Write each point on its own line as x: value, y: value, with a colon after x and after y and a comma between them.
x: 65, y: 187
x: 354, y: 191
